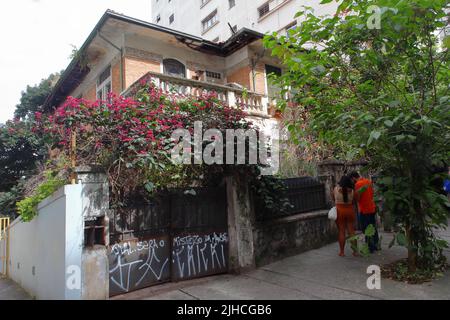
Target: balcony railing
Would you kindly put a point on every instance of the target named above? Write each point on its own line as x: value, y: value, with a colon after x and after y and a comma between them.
x: 252, y: 103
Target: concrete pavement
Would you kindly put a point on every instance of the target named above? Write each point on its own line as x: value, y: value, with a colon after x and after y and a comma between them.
x: 9, y: 290
x: 314, y: 275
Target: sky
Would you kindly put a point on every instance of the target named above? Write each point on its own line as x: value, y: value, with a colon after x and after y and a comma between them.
x: 37, y: 38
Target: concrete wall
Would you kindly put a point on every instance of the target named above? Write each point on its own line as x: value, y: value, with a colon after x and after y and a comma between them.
x: 49, y: 252
x: 254, y: 244
x: 277, y: 239
x: 41, y: 251
x: 95, y: 205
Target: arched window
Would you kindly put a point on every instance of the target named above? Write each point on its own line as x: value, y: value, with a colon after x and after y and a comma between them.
x: 174, y: 68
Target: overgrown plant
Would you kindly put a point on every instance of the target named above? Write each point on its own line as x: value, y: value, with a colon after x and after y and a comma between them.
x: 374, y: 79
x: 131, y: 137
x: 27, y: 208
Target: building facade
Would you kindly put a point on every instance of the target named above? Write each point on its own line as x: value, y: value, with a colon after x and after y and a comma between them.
x: 121, y: 50
x: 218, y: 20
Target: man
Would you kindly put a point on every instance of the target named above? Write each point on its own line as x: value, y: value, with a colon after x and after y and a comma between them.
x: 366, y: 205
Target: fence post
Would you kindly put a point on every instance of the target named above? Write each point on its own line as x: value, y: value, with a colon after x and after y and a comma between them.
x: 231, y: 99
x: 265, y: 105
x: 240, y: 226
x: 328, y: 183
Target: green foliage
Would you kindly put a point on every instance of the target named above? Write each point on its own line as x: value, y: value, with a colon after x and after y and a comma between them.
x: 9, y: 199
x: 34, y: 97
x: 20, y: 149
x: 27, y: 208
x: 271, y: 192
x: 380, y: 94
x: 362, y: 248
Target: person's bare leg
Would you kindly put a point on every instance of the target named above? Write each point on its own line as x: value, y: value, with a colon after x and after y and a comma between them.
x: 341, y: 238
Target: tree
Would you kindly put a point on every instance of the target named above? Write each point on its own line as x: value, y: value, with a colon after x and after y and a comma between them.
x: 34, y: 97
x: 20, y: 148
x: 374, y: 81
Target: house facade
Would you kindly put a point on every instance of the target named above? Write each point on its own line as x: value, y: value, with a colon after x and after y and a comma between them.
x: 120, y: 50
x: 218, y: 20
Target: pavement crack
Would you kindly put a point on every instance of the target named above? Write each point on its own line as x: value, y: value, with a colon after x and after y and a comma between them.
x: 187, y: 293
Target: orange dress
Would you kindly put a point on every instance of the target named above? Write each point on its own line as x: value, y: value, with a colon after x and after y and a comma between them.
x: 346, y: 215
x: 345, y: 210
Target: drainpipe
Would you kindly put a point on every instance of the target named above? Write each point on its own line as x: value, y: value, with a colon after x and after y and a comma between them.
x: 121, y: 58
x: 253, y: 64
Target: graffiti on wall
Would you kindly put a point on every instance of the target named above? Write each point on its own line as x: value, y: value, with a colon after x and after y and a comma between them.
x: 199, y: 255
x: 134, y: 265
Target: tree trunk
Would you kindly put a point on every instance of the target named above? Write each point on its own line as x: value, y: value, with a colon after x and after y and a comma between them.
x: 412, y: 252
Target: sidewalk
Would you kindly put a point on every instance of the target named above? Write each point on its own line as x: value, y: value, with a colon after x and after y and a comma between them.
x: 317, y: 274
x: 11, y: 291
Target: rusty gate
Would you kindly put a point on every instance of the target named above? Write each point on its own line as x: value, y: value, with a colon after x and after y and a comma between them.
x: 4, y: 246
x: 176, y: 236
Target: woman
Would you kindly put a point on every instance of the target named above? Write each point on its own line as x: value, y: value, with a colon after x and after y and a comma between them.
x: 343, y: 195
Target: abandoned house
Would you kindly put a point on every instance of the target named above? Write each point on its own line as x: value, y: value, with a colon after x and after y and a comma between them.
x: 97, y: 252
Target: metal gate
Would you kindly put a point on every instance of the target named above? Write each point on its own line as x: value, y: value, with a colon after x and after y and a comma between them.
x: 4, y: 246
x: 174, y: 237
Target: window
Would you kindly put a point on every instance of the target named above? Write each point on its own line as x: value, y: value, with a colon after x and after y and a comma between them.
x: 211, y: 20
x: 272, y: 89
x: 171, y: 18
x: 269, y: 6
x: 213, y: 75
x: 273, y: 70
x: 291, y: 26
x: 94, y: 231
x: 104, y: 85
x: 234, y: 29
x: 231, y: 3
x: 264, y: 9
x: 174, y: 68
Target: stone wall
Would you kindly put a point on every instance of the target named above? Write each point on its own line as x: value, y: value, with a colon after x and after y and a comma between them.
x: 331, y: 171
x: 280, y: 238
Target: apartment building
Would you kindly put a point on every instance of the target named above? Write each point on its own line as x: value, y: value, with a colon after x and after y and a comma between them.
x: 218, y: 20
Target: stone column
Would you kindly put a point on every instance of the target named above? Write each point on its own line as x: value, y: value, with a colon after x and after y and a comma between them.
x: 95, y: 209
x: 240, y: 226
x: 327, y: 181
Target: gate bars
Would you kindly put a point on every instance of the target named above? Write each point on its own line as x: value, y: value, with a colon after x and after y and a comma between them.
x: 4, y: 241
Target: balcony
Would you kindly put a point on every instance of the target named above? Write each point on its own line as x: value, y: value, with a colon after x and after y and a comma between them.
x: 250, y: 102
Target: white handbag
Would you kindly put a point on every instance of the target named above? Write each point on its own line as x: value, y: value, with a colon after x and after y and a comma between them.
x: 332, y: 214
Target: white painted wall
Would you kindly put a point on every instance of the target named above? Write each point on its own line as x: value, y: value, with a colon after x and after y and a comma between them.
x: 50, y: 243
x: 189, y: 14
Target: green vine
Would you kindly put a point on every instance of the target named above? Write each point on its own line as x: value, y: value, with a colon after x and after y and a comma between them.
x: 27, y: 208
